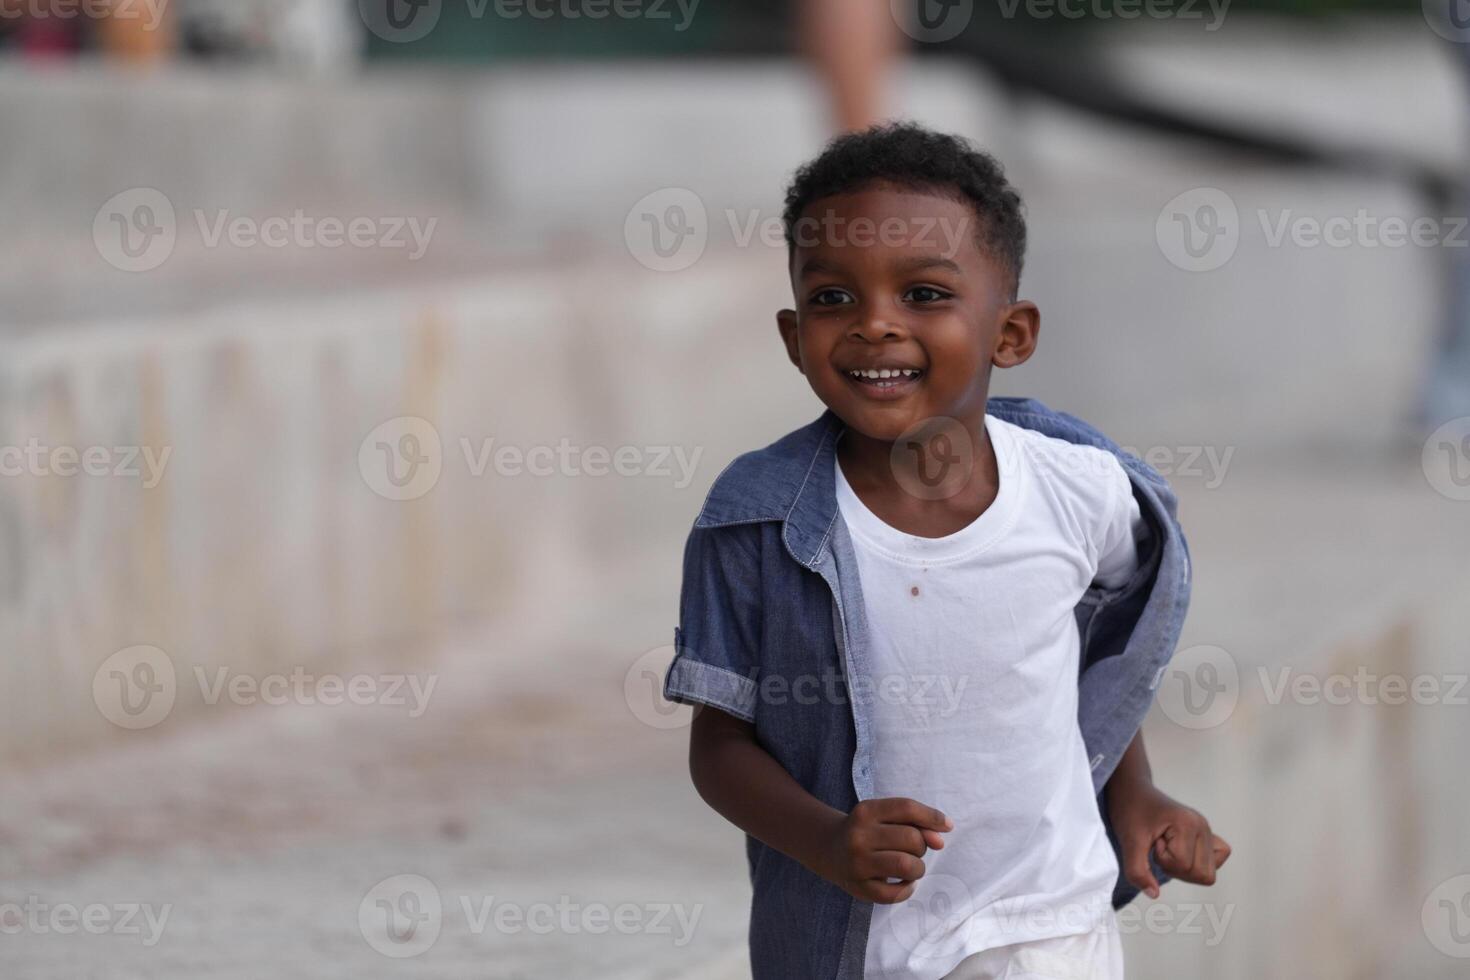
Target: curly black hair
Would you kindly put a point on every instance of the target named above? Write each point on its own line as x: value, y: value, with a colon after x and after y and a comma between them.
x: 910, y: 156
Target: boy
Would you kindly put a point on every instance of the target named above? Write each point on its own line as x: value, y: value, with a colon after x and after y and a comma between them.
x: 924, y: 630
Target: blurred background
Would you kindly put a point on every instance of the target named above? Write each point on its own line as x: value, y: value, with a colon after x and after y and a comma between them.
x: 364, y: 364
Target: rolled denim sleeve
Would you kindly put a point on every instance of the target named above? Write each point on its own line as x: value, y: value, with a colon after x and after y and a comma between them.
x: 717, y: 643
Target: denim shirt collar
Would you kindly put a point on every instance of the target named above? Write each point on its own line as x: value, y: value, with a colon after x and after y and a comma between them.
x: 790, y: 481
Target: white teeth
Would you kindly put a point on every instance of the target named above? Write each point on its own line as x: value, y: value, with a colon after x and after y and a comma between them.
x: 885, y: 374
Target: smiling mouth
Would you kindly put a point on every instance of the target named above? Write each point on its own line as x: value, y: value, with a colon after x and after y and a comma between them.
x: 885, y: 379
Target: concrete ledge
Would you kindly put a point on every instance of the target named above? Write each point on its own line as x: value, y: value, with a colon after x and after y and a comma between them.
x: 270, y: 537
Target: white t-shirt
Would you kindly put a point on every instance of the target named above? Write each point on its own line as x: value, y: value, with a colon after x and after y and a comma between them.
x: 974, y: 656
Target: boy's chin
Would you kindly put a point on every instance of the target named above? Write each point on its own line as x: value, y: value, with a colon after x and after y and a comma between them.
x: 887, y: 423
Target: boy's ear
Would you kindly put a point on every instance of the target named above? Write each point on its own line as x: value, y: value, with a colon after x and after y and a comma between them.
x: 1018, y: 331
x: 786, y: 323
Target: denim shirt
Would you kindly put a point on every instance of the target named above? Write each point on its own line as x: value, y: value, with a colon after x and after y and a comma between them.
x: 772, y: 630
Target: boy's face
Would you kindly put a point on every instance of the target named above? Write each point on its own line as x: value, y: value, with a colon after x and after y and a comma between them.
x: 894, y: 280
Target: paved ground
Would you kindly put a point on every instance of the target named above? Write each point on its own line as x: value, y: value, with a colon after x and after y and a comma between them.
x: 261, y: 837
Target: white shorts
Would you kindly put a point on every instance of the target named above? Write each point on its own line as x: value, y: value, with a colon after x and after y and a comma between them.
x: 1095, y: 955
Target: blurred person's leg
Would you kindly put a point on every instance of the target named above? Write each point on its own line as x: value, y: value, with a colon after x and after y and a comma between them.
x: 137, y: 31
x: 319, y: 36
x: 1447, y: 392
x: 853, y: 43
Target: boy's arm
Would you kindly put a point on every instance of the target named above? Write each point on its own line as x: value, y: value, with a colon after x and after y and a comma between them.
x: 1145, y: 819
x: 860, y: 852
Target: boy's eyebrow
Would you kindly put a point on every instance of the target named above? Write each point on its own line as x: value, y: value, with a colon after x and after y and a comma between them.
x: 816, y: 265
x: 929, y: 262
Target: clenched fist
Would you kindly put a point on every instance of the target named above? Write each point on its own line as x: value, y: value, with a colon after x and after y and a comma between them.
x: 876, y: 853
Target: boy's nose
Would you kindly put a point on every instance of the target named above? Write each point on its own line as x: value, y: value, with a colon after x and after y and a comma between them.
x: 877, y: 326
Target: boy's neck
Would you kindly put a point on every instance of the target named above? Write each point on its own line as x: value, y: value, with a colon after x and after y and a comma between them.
x: 930, y: 485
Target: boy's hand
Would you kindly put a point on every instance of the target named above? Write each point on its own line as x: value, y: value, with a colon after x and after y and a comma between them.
x: 882, y: 840
x: 1146, y: 819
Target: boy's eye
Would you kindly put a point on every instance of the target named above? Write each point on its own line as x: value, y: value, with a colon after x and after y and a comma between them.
x: 926, y: 294
x: 830, y: 296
